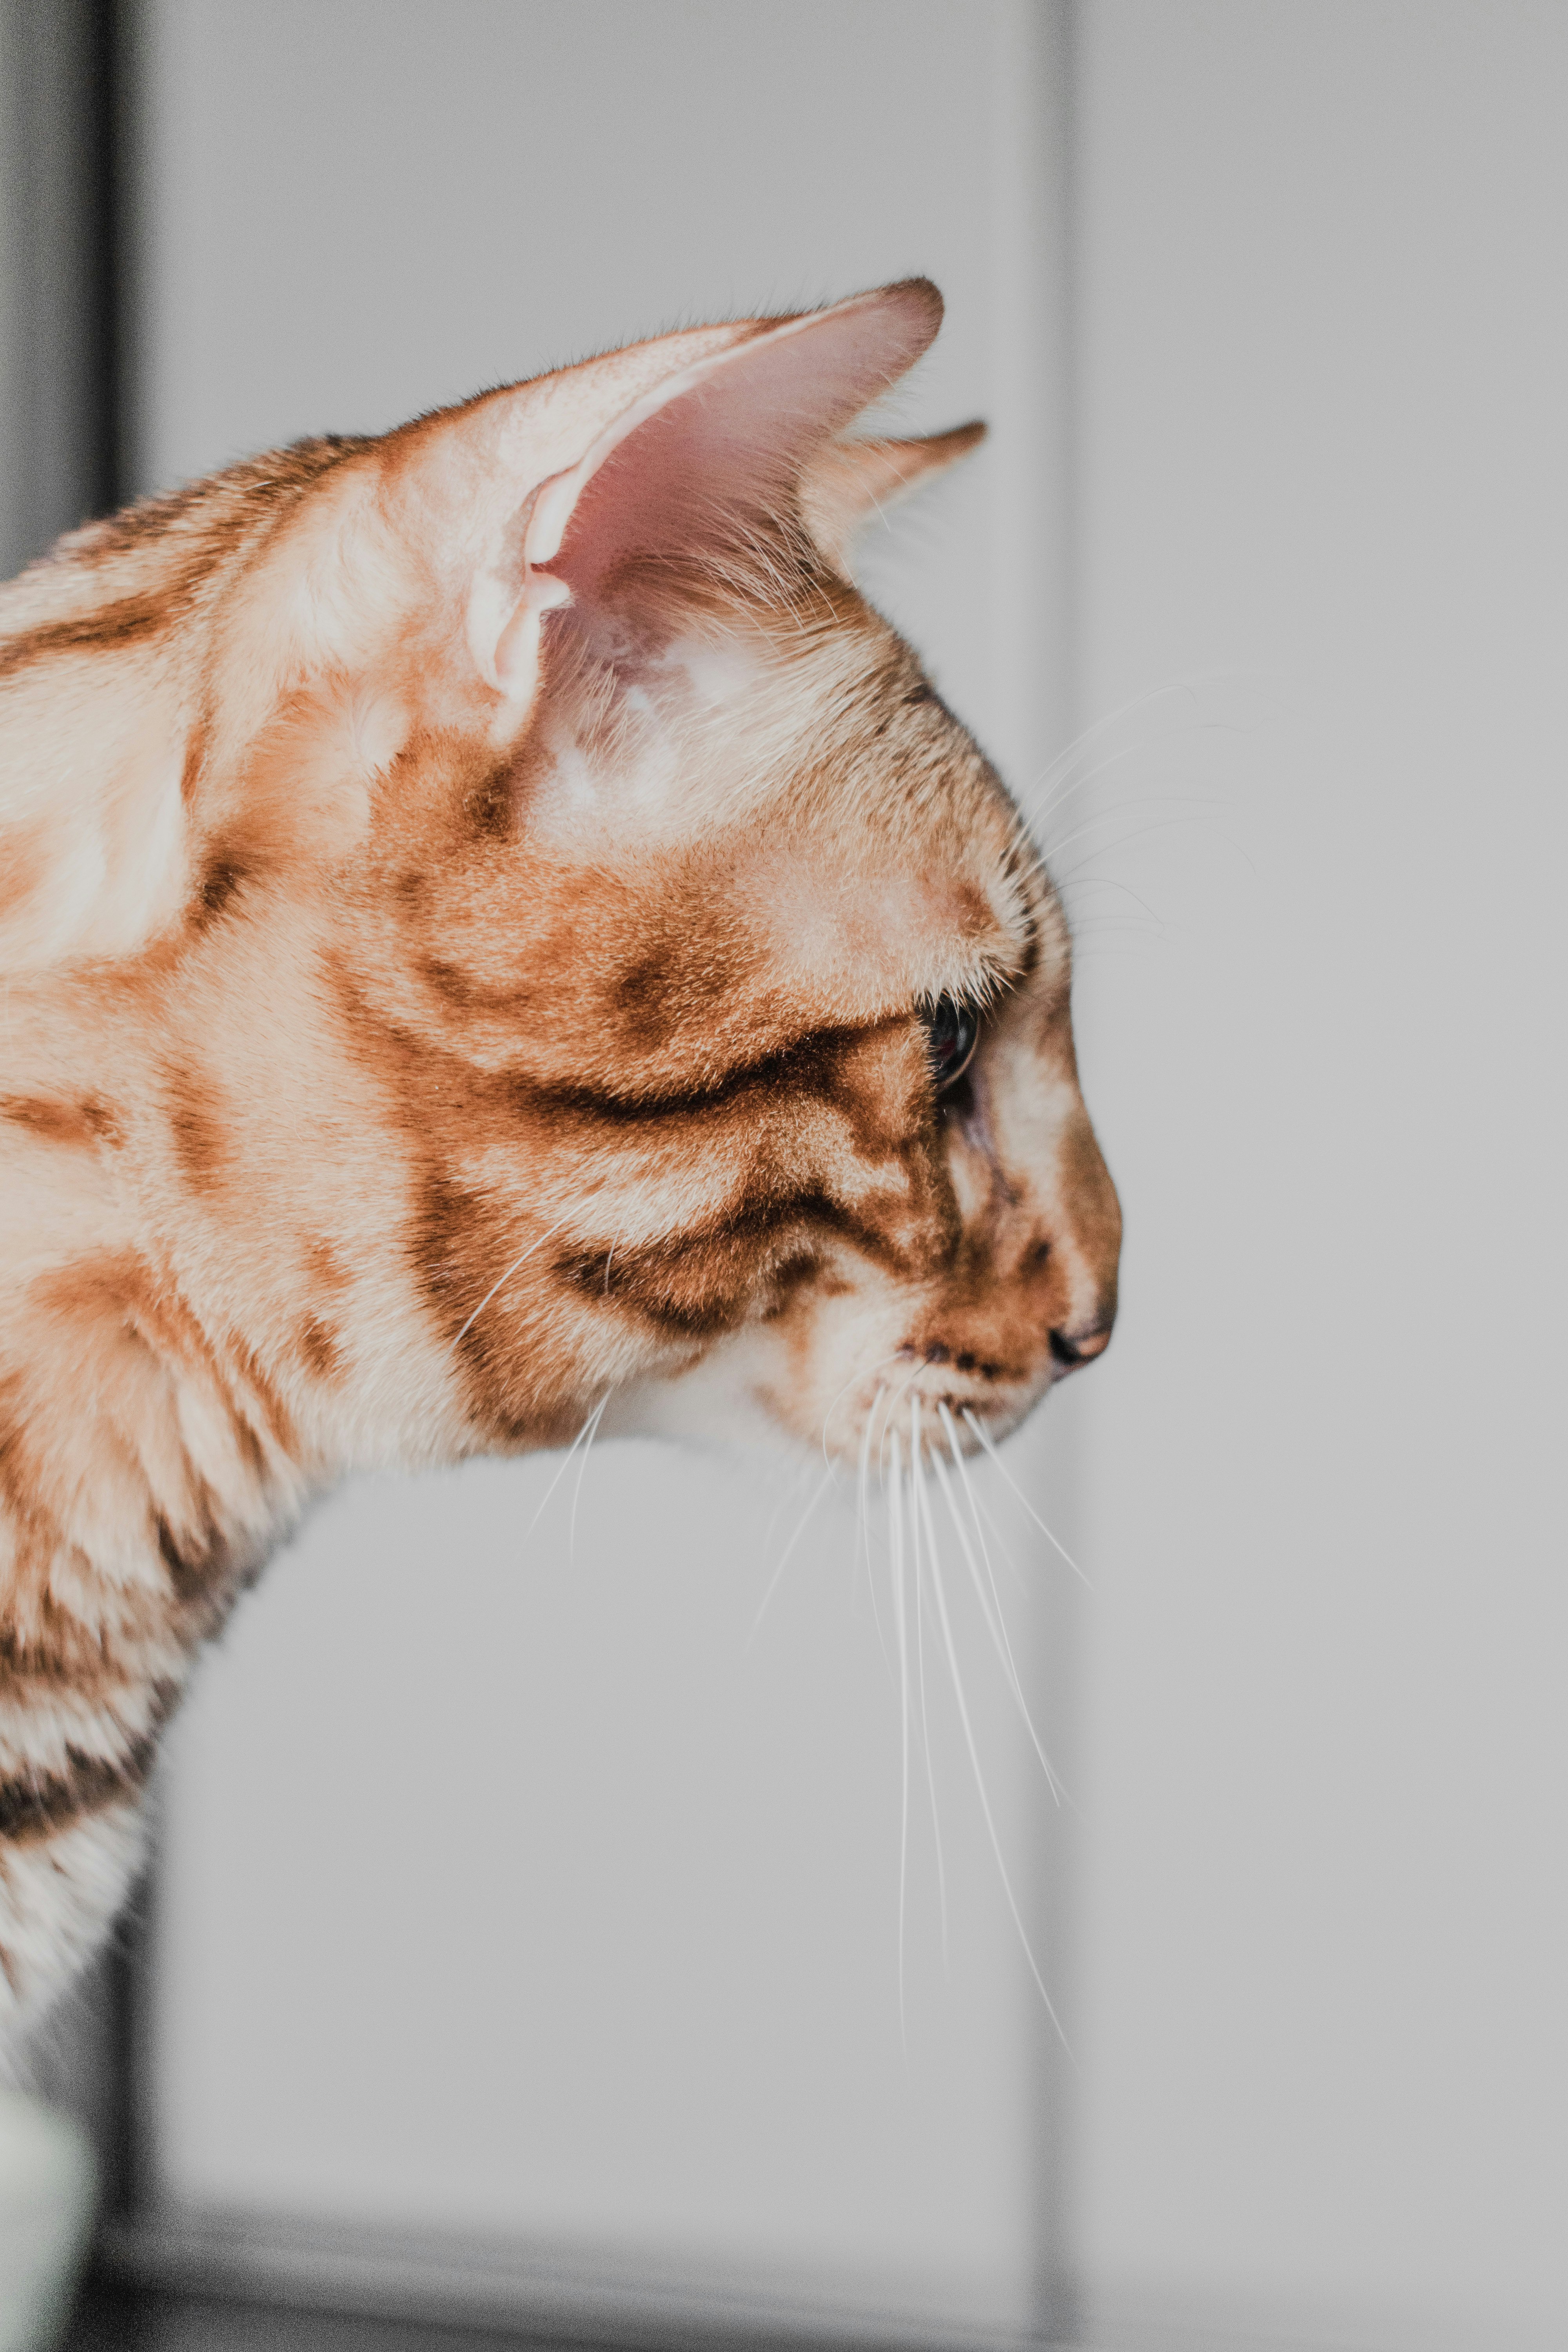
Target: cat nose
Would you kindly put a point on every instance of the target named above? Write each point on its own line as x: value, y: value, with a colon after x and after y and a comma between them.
x: 1070, y: 1348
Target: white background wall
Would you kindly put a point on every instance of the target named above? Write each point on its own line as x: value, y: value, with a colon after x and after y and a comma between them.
x: 624, y: 1975
x: 1321, y: 259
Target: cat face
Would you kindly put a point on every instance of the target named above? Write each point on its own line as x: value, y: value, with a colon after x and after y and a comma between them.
x: 706, y: 1049
x: 677, y: 983
x: 580, y: 963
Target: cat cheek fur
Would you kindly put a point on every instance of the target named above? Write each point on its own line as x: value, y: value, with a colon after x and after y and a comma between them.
x: 1016, y: 1241
x: 467, y: 905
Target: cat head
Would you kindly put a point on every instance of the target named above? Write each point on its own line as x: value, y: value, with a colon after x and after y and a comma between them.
x: 534, y: 780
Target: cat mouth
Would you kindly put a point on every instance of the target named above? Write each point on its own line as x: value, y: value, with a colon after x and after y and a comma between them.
x: 965, y: 1363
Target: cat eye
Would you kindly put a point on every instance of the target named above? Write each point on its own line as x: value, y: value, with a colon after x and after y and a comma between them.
x: 952, y: 1032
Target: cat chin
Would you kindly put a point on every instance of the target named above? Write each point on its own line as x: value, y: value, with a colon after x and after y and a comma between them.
x: 722, y: 1402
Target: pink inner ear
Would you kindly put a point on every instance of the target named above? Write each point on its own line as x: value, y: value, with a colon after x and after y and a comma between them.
x: 724, y: 446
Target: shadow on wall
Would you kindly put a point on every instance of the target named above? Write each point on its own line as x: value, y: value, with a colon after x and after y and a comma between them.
x: 59, y: 234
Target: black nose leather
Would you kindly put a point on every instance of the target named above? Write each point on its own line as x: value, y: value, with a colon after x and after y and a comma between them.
x: 1074, y: 1348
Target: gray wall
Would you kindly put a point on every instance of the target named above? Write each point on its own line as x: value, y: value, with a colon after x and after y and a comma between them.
x: 626, y: 1978
x: 1323, y: 371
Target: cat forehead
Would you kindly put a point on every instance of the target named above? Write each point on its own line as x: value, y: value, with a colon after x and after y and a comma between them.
x: 822, y: 717
x: 832, y: 795
x: 873, y: 937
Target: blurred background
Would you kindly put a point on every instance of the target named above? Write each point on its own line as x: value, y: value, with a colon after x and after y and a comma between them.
x: 1260, y: 595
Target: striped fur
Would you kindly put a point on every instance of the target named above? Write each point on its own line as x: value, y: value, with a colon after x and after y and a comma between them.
x: 468, y: 902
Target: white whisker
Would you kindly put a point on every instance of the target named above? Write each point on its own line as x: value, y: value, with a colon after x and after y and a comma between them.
x: 1039, y: 799
x: 900, y: 1624
x: 1047, y: 850
x: 897, y: 1399
x: 985, y: 1803
x: 856, y: 1375
x: 917, y: 1499
x: 977, y: 1511
x: 1125, y: 840
x: 801, y: 1474
x: 582, y: 1467
x: 1071, y: 754
x: 985, y: 1440
x: 1082, y: 880
x: 995, y: 1624
x: 564, y: 1467
x: 863, y: 1527
x: 999, y: 1540
x: 822, y: 1485
x: 518, y: 1260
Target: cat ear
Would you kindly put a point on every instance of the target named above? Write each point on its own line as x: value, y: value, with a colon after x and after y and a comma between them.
x: 689, y: 472
x: 847, y: 482
x: 412, y: 584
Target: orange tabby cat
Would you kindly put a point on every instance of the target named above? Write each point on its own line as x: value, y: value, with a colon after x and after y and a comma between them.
x: 492, y: 923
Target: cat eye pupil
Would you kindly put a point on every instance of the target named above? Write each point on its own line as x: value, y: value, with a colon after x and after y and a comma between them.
x: 953, y: 1031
